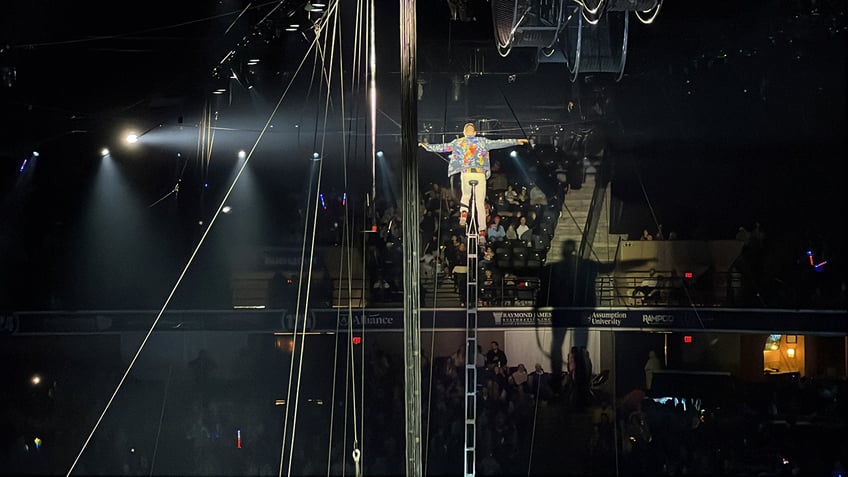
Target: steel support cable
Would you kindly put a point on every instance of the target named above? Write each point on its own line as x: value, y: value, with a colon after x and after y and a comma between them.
x: 346, y: 246
x: 345, y: 259
x: 312, y: 45
x: 176, y: 284
x: 349, y: 361
x: 533, y: 433
x: 512, y: 111
x: 332, y: 10
x: 135, y: 33
x: 357, y: 451
x: 161, y: 418
x: 359, y: 426
x: 437, y: 254
x: 647, y: 199
x: 175, y: 189
x: 656, y: 223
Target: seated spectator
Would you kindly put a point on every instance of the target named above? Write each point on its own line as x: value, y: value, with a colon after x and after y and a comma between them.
x: 488, y: 260
x: 519, y: 376
x: 511, y: 233
x: 496, y: 231
x: 488, y: 277
x: 522, y: 228
x: 648, y: 286
x: 522, y: 197
x: 537, y: 196
x: 646, y: 235
x: 510, y: 195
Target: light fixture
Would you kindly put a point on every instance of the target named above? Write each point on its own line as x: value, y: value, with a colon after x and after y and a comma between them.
x: 104, y: 152
x: 790, y: 352
x: 132, y: 138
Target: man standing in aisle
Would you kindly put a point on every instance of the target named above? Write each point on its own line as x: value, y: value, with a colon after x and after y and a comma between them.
x: 470, y: 158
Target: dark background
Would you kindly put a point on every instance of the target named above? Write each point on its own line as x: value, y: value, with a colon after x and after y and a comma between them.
x: 727, y: 114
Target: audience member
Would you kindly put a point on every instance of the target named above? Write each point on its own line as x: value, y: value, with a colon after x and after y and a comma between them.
x: 519, y: 376
x: 511, y: 196
x: 511, y: 233
x: 495, y: 356
x: 653, y: 364
x: 537, y: 196
x: 496, y: 232
x: 522, y: 228
x: 647, y: 286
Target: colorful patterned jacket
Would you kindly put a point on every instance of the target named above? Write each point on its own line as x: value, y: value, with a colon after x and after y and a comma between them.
x: 470, y: 153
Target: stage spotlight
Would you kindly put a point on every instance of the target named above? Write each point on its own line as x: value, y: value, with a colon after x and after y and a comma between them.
x: 242, y: 154
x: 104, y: 152
x: 132, y: 138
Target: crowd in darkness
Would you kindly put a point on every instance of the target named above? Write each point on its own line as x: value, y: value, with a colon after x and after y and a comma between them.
x: 198, y: 422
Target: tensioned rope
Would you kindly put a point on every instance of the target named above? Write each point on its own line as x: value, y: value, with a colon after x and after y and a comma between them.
x: 656, y: 223
x: 350, y: 361
x: 319, y: 34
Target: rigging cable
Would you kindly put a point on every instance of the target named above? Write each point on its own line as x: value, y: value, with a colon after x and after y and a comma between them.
x: 349, y: 365
x: 161, y: 418
x: 298, y: 301
x: 328, y: 76
x: 656, y: 222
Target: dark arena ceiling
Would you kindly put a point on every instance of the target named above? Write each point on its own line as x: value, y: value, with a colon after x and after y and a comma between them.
x: 732, y: 109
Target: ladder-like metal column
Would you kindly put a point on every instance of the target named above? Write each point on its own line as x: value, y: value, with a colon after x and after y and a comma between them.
x: 471, y: 337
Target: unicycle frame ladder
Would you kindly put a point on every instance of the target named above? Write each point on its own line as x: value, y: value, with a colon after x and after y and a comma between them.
x: 471, y: 336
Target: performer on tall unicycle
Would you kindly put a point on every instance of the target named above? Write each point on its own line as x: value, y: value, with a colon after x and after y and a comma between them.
x: 469, y: 157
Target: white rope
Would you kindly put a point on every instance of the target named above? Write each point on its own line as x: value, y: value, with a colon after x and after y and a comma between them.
x: 161, y: 417
x: 312, y: 45
x: 333, y: 10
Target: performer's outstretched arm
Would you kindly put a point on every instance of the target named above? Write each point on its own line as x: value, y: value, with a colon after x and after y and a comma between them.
x: 500, y: 143
x: 443, y: 147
